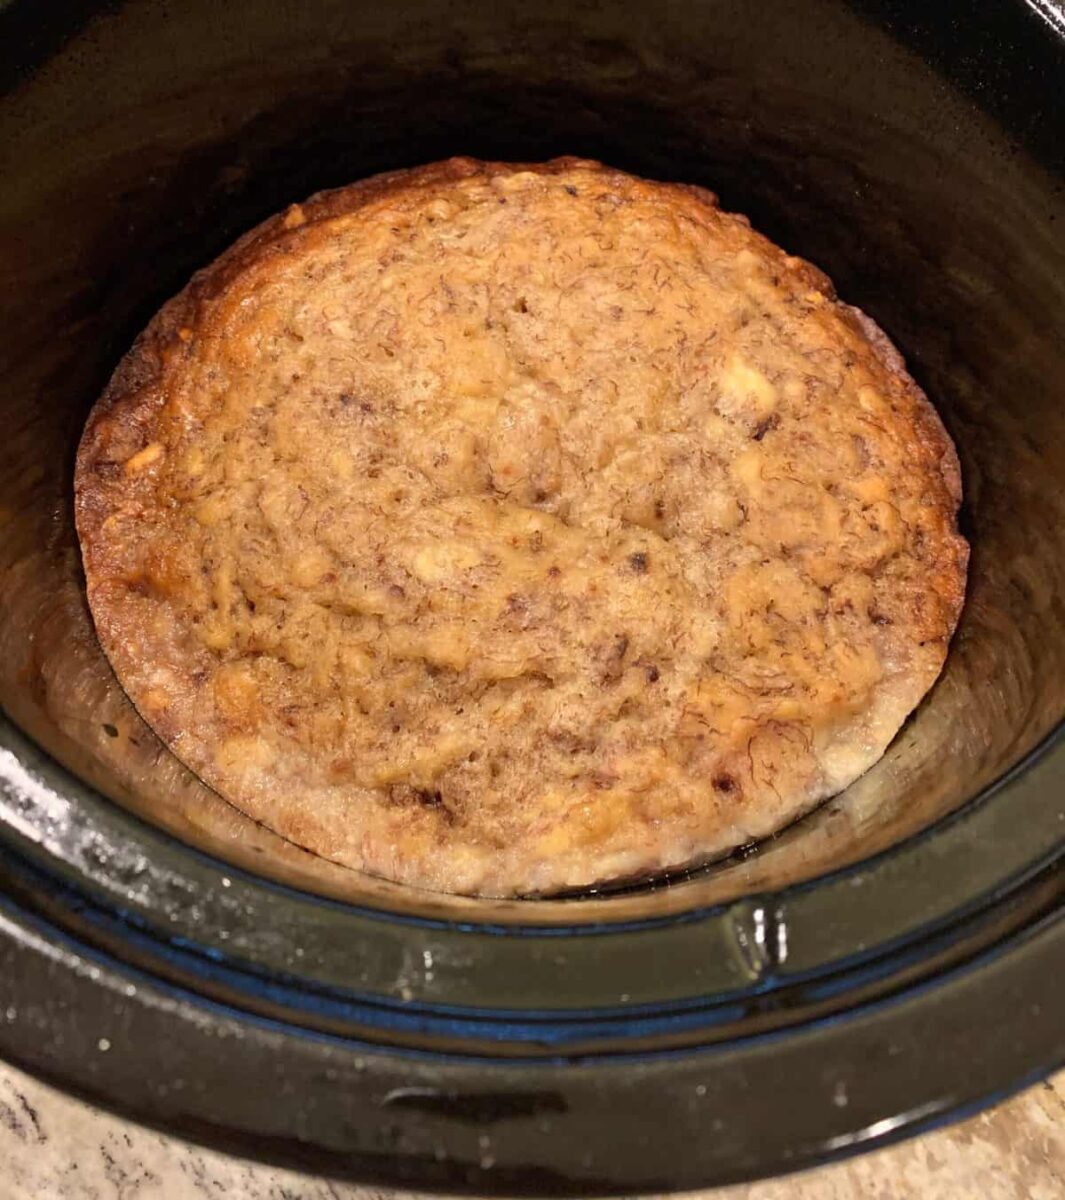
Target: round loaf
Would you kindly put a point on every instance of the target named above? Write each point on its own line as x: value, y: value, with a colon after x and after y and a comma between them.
x: 503, y: 529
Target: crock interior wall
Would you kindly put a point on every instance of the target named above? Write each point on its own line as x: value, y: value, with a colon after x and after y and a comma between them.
x: 149, y: 136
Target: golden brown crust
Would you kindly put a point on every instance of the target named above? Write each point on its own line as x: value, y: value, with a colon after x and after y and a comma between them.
x: 504, y: 528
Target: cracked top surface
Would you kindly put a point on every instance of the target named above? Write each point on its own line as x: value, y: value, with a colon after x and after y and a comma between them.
x: 502, y: 529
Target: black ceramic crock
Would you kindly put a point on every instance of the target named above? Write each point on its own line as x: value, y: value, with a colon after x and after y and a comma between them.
x: 893, y: 960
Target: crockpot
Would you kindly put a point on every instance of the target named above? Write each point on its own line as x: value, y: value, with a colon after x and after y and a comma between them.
x: 890, y: 961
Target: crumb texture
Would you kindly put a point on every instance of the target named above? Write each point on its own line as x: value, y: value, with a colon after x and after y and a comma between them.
x: 504, y: 529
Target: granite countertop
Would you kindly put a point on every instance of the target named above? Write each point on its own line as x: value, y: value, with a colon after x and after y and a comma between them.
x: 55, y: 1148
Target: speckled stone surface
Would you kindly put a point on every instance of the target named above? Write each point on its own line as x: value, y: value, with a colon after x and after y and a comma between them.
x: 56, y: 1148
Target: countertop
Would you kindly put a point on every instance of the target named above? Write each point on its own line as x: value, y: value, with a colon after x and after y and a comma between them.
x: 55, y: 1148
